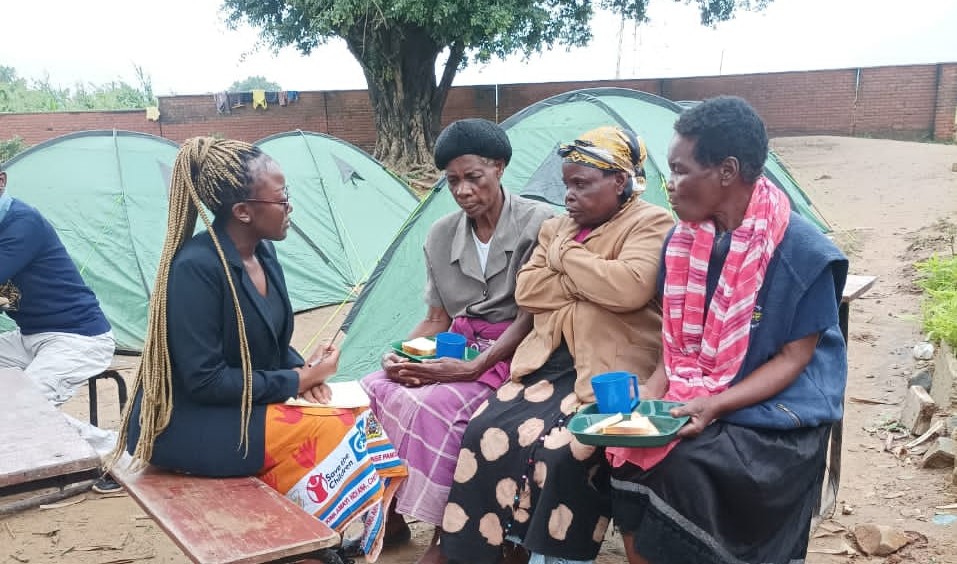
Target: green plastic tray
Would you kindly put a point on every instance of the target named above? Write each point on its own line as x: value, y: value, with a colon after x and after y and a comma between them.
x: 655, y: 410
x: 470, y: 353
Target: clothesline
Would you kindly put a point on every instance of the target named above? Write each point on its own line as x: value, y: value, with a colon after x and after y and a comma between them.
x: 226, y: 101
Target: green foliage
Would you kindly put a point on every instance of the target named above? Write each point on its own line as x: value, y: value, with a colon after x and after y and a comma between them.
x: 938, y: 279
x: 397, y: 43
x: 485, y: 28
x: 10, y: 147
x: 19, y: 95
x: 714, y: 11
x: 253, y: 83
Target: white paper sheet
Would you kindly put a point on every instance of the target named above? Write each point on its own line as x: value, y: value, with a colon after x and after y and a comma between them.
x: 346, y: 395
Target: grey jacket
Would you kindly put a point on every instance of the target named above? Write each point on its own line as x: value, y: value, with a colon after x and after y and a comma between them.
x: 455, y: 279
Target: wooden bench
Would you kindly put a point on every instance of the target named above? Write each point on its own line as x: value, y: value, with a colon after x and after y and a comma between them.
x: 38, y: 447
x: 226, y: 520
x: 854, y: 287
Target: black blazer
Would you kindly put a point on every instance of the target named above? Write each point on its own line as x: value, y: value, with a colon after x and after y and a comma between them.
x: 203, y: 435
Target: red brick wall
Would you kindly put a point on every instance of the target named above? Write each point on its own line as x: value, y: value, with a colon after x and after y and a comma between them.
x: 795, y: 103
x: 38, y: 127
x: 903, y: 102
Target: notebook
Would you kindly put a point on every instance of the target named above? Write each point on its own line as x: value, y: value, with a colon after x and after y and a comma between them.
x: 346, y: 395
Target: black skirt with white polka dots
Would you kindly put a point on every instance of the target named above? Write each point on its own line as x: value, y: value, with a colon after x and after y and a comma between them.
x: 521, y: 474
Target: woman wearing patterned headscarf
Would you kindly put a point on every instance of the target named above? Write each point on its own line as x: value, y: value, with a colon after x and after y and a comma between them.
x: 521, y: 476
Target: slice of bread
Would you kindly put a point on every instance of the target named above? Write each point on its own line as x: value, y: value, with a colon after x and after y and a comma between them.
x: 637, y: 425
x: 419, y: 346
x: 610, y: 420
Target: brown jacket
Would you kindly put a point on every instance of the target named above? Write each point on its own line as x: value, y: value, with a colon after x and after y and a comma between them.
x: 600, y: 295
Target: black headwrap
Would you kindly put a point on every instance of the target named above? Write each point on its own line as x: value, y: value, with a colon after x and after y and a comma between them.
x: 473, y: 136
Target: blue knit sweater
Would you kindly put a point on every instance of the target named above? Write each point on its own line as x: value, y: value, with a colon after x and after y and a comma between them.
x: 53, y: 296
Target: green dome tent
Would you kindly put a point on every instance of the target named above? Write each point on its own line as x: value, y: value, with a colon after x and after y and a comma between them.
x: 105, y: 193
x: 391, y: 303
x: 347, y: 208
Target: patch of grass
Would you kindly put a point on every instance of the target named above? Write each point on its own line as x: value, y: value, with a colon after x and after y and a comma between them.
x: 938, y: 280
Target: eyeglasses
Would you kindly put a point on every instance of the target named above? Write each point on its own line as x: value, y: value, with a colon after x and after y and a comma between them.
x: 284, y: 203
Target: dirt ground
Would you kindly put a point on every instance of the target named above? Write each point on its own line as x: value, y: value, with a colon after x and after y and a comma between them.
x: 889, y: 203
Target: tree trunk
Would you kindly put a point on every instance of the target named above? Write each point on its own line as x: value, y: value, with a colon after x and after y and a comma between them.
x: 399, y: 65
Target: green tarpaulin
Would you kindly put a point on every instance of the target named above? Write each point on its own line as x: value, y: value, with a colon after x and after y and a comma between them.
x: 105, y: 192
x: 391, y: 302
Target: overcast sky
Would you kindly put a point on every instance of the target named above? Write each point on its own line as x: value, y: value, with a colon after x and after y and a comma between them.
x: 186, y: 48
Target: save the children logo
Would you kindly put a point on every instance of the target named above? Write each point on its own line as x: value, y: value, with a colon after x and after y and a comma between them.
x: 322, y: 484
x: 316, y: 488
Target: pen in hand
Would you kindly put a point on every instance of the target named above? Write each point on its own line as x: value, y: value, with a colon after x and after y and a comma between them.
x: 326, y: 351
x: 325, y: 354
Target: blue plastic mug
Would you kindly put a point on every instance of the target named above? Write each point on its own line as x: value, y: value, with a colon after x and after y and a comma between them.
x: 616, y: 392
x: 451, y: 345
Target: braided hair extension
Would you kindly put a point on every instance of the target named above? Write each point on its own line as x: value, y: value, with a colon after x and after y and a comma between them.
x: 216, y: 173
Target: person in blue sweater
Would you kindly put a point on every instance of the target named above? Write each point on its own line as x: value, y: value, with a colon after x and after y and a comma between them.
x: 751, y: 347
x: 62, y: 338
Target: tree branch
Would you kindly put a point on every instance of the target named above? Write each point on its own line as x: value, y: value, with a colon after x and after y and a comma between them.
x: 456, y: 52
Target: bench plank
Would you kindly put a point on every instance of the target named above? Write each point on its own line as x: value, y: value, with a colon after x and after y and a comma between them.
x: 225, y: 520
x: 36, y: 442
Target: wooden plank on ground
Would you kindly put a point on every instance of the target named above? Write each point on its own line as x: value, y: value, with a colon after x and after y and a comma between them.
x: 225, y: 520
x: 36, y: 442
x: 856, y: 285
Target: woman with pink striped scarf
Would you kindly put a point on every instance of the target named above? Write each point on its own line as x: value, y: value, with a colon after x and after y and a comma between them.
x: 752, y: 346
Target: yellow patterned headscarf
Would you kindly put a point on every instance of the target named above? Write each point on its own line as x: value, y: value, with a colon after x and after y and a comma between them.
x: 609, y: 148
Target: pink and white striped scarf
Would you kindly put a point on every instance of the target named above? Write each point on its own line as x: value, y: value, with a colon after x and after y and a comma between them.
x: 703, y: 350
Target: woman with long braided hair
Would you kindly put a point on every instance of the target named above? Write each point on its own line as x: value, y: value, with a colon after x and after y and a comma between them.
x: 217, y: 366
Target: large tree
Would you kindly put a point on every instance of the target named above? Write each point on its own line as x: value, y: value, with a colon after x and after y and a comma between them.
x: 398, y: 42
